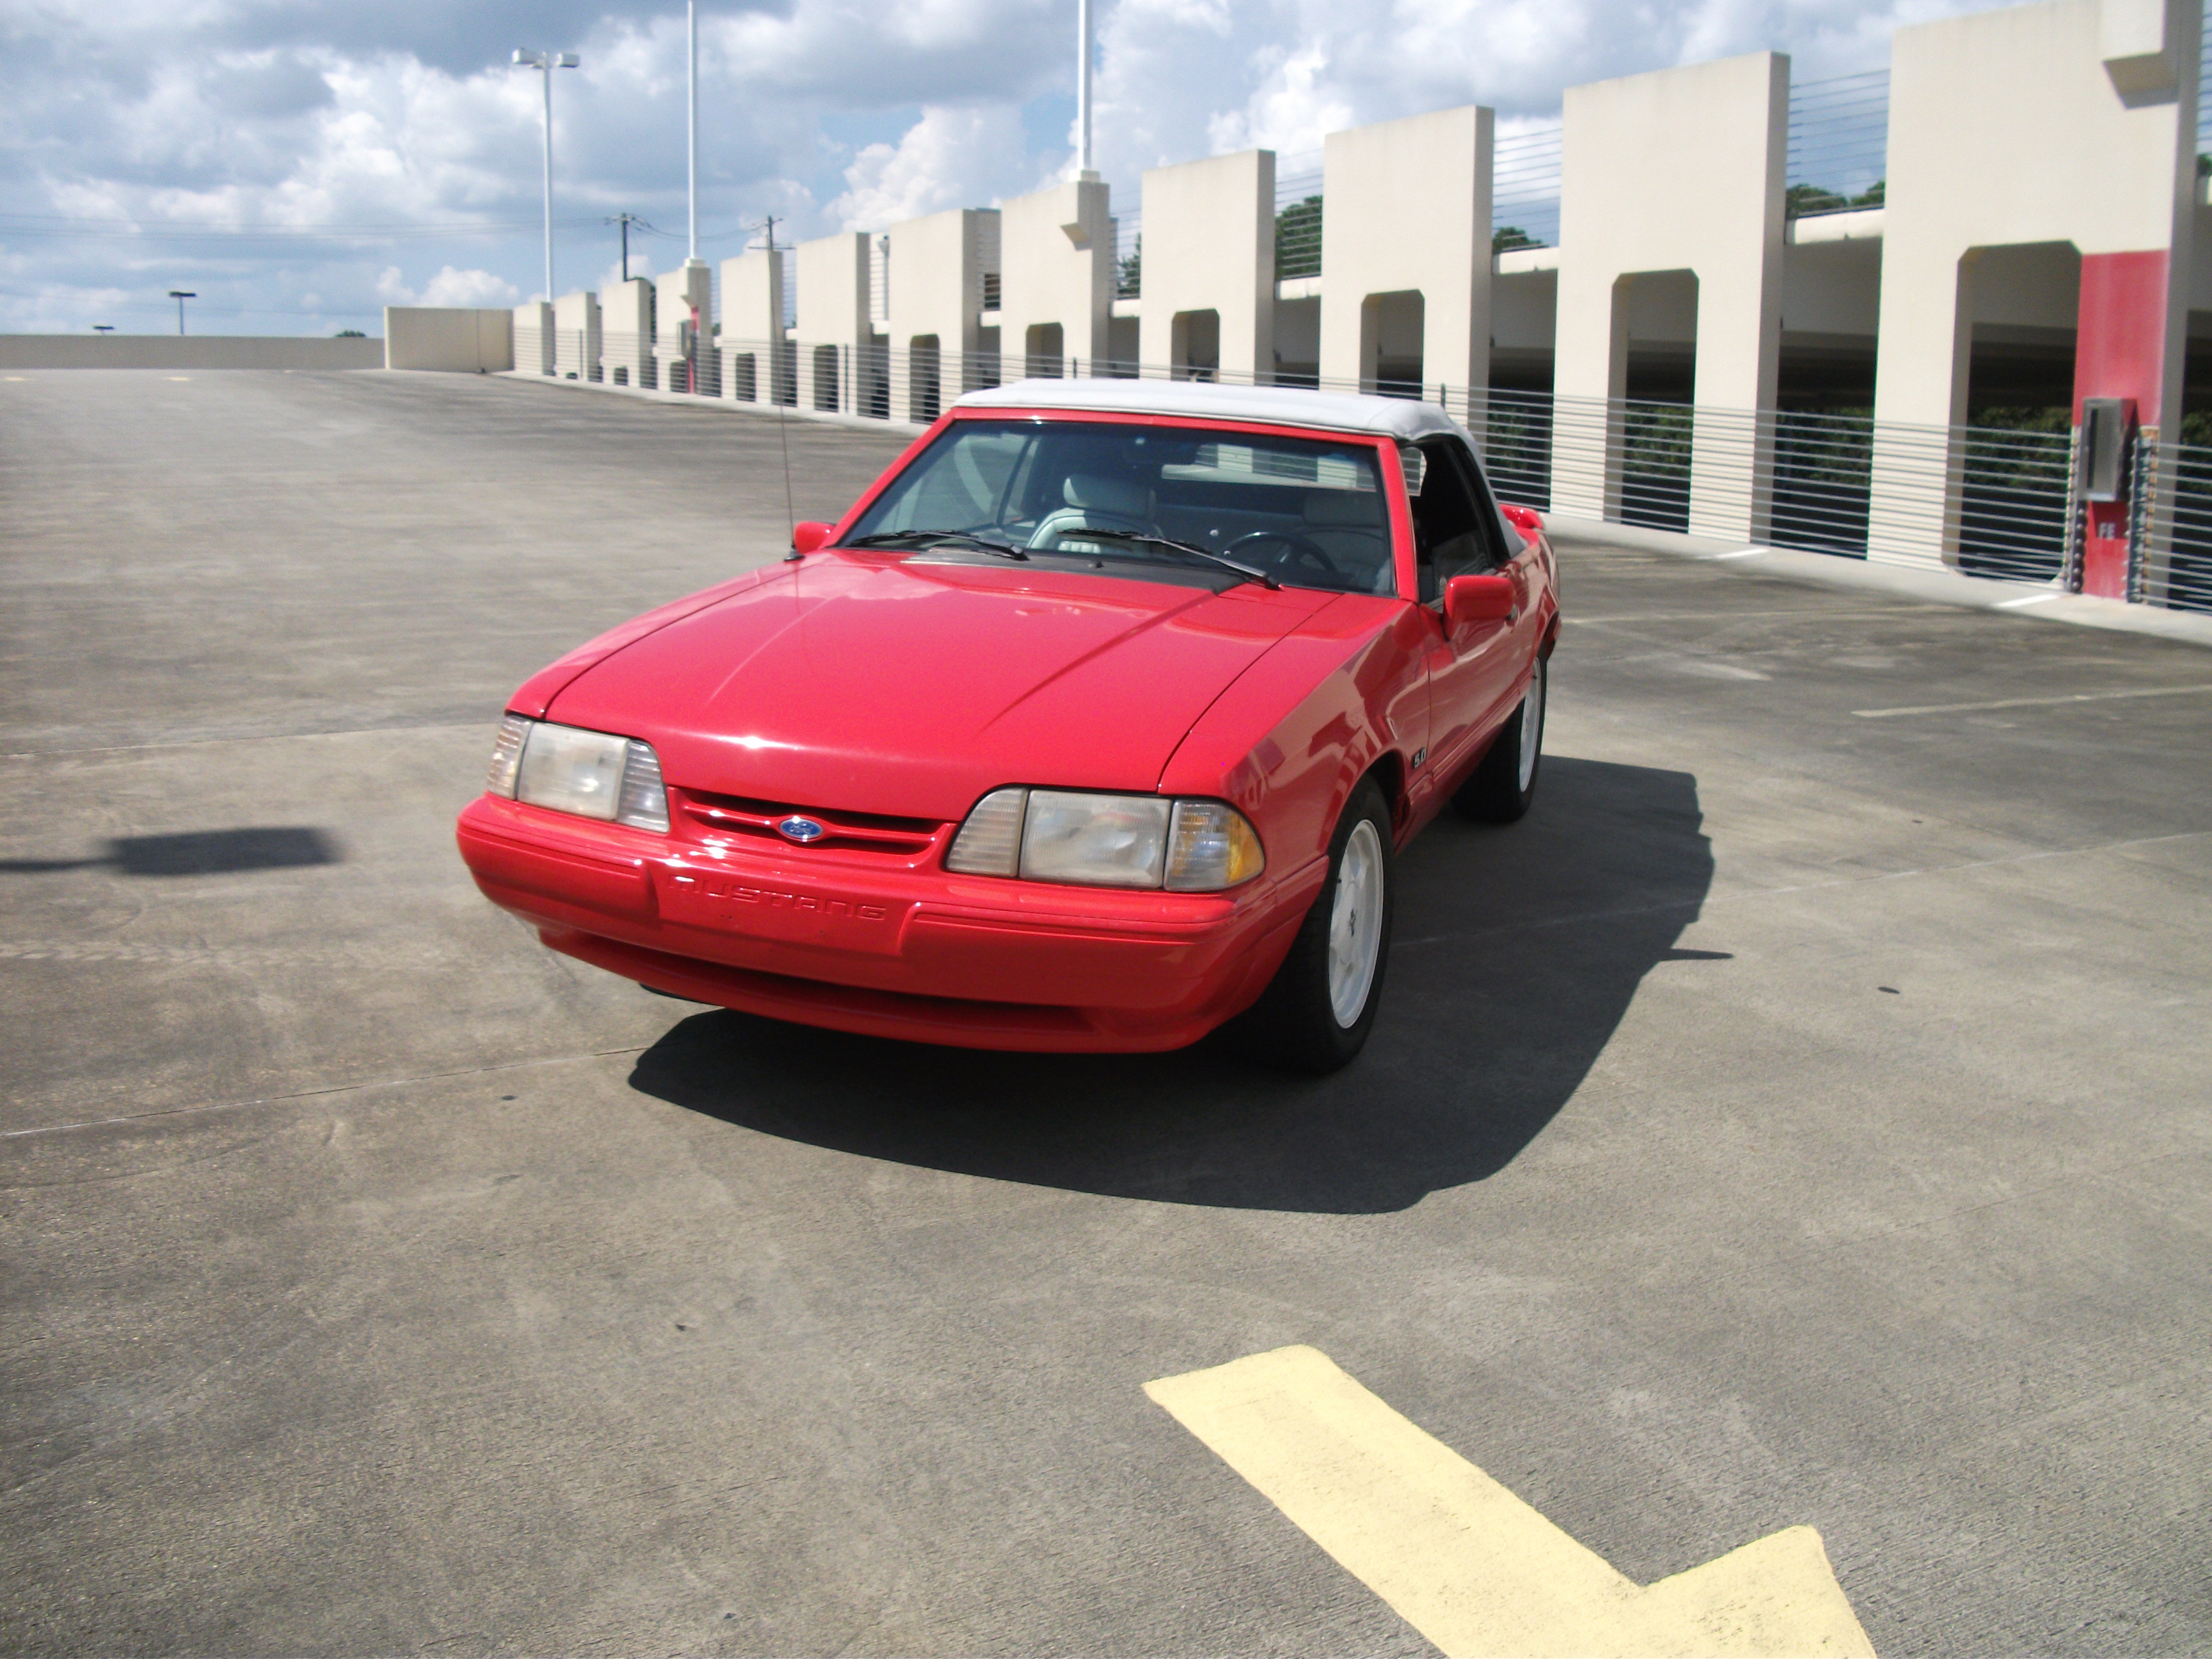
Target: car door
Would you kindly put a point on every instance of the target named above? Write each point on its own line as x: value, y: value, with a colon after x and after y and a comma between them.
x: 1472, y: 667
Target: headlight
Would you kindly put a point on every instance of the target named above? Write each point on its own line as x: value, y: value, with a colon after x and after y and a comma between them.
x: 591, y: 774
x: 1107, y: 840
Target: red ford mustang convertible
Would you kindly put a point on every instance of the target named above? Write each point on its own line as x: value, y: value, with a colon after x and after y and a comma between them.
x: 1095, y: 724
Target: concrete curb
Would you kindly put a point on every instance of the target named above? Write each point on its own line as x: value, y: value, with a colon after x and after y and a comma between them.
x: 2039, y: 600
x: 684, y: 399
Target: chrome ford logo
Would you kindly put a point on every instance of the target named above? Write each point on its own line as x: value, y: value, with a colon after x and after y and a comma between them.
x: 801, y: 831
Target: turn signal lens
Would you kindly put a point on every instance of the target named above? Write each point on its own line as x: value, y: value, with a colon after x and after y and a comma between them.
x: 507, y: 756
x: 644, y: 797
x: 1211, y: 847
x: 990, y: 842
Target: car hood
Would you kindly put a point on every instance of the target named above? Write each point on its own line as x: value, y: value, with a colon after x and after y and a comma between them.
x: 897, y: 686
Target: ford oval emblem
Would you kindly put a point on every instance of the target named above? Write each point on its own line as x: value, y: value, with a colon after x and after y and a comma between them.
x: 801, y: 831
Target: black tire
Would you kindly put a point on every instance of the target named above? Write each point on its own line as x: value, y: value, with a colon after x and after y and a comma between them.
x: 1296, y: 1024
x: 1500, y: 789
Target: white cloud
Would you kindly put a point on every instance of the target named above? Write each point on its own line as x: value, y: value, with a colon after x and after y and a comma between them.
x: 950, y: 158
x: 299, y: 118
x: 469, y: 288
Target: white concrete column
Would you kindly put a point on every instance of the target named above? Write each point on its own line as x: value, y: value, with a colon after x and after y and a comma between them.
x: 576, y: 336
x: 2069, y: 122
x: 684, y: 298
x: 936, y: 307
x: 1406, y: 208
x: 1056, y: 248
x: 1210, y: 267
x: 833, y: 319
x: 626, y: 334
x: 534, y: 336
x: 1677, y: 170
x: 753, y: 340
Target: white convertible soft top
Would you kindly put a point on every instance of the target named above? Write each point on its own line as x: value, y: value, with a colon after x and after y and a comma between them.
x: 1271, y: 405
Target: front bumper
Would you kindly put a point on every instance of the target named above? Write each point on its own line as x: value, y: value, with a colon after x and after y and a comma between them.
x: 882, y: 947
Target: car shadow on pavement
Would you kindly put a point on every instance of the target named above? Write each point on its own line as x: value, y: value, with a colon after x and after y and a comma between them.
x: 1517, y: 950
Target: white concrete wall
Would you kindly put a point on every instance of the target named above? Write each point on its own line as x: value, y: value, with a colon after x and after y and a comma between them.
x: 626, y: 335
x: 1677, y: 170
x: 1056, y: 249
x: 195, y: 351
x: 1832, y: 289
x: 1406, y: 207
x: 576, y: 336
x: 937, y: 295
x: 456, y: 338
x: 832, y: 277
x: 753, y: 340
x: 1210, y: 247
x: 2017, y: 127
x: 533, y: 337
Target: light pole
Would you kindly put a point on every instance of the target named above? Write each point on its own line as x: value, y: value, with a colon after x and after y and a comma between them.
x: 691, y: 116
x: 180, y: 296
x: 1083, y: 89
x: 545, y: 63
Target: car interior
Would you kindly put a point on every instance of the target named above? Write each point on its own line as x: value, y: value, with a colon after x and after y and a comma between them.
x: 1309, y: 514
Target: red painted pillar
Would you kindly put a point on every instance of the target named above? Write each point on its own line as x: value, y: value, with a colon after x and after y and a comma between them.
x: 2120, y: 351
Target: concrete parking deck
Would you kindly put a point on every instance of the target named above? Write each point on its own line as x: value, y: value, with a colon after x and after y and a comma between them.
x: 1799, y: 1119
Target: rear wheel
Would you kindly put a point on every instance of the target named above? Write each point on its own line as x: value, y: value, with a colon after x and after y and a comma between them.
x: 1500, y: 789
x: 1315, y: 1014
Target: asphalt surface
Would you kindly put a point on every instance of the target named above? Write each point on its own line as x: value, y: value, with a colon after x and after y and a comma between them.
x: 1801, y: 1117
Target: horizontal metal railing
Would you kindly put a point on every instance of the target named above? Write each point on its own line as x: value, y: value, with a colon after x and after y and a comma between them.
x: 2173, y: 497
x: 1989, y: 501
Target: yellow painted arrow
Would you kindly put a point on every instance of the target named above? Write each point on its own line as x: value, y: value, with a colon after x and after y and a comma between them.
x: 1464, y: 1560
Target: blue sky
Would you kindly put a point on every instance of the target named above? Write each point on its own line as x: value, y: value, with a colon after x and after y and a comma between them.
x: 301, y: 163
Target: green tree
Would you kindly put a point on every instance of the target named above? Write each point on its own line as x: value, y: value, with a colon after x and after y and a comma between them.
x: 1509, y: 236
x: 1129, y: 276
x: 1297, y: 239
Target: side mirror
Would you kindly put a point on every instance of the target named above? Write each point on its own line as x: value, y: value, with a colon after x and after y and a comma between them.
x: 1525, y: 519
x: 1479, y: 599
x: 810, y: 537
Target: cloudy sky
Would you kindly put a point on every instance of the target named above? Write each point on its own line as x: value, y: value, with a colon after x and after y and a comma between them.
x: 301, y: 163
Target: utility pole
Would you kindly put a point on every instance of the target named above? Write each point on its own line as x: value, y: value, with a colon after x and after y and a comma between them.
x: 625, y: 220
x: 545, y: 63
x: 180, y: 296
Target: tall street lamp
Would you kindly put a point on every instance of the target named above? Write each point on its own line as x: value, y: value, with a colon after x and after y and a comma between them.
x: 545, y: 63
x: 180, y: 296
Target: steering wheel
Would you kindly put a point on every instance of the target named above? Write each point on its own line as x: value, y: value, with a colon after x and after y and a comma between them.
x: 1297, y: 549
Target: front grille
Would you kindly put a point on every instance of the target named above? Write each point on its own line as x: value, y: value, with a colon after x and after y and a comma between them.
x: 851, y: 832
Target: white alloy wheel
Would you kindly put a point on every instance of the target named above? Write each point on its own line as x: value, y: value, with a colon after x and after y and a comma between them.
x: 1532, y: 727
x: 1355, y: 926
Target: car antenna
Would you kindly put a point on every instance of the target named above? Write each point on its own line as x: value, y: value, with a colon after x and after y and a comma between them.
x: 782, y: 438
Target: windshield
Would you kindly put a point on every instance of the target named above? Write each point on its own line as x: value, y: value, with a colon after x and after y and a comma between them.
x: 1298, y: 511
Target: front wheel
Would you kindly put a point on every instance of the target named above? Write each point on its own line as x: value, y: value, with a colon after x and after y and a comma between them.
x: 1315, y: 1014
x: 1499, y: 790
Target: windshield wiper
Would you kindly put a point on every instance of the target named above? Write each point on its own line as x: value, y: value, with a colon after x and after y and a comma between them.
x: 1251, y: 573
x: 922, y: 539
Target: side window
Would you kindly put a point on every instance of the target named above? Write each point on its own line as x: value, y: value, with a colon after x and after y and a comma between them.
x: 1455, y: 531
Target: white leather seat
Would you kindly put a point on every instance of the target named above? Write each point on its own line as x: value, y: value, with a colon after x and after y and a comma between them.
x: 1095, y: 503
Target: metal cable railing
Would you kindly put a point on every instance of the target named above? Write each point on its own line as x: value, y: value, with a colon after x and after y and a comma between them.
x: 2175, y: 483
x: 1129, y: 254
x: 1838, y: 143
x: 1989, y: 501
x: 1524, y: 187
x: 1298, y: 216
